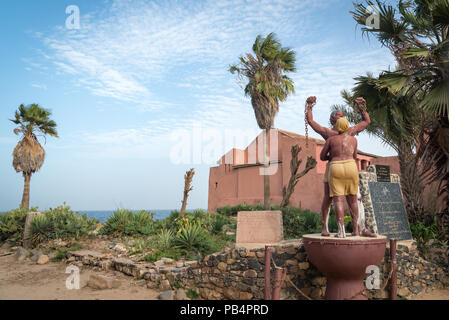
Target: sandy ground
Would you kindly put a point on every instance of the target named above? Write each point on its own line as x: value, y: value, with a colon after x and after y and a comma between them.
x: 27, y: 280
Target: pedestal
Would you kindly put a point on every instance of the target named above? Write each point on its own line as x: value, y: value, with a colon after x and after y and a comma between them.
x: 344, y: 261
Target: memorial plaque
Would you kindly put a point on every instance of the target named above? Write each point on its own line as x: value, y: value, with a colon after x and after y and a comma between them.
x: 259, y: 227
x: 389, y: 211
x: 383, y: 173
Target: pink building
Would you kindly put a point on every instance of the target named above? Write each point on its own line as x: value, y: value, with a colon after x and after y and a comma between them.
x: 237, y: 179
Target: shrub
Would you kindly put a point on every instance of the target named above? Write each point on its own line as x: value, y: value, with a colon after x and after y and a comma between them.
x: 190, y: 236
x: 12, y: 224
x: 426, y: 236
x: 166, y: 239
x: 126, y: 222
x: 60, y: 222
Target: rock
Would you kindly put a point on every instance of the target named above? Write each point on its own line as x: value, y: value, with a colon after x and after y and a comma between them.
x: 250, y: 274
x: 319, y: 281
x: 245, y: 296
x: 36, y: 256
x: 159, y: 263
x: 165, y: 285
x: 179, y: 264
x: 166, y: 295
x: 141, y: 283
x: 403, y: 292
x: 120, y: 248
x: 167, y: 260
x: 304, y: 265
x: 43, y: 259
x: 316, y: 293
x: 101, y: 282
x: 21, y: 254
x: 231, y: 294
x: 222, y: 266
x: 181, y: 295
x: 5, y: 247
x: 192, y: 264
x: 111, y: 245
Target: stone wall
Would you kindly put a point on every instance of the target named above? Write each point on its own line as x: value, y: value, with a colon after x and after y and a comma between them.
x: 238, y: 274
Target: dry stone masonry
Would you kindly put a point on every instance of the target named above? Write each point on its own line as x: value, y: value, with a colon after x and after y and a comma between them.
x: 238, y: 274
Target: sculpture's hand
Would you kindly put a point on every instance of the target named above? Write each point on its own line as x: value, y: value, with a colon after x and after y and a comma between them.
x: 361, y: 104
x: 311, y: 101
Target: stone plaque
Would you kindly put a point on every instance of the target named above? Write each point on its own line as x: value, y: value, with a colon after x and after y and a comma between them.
x: 383, y: 173
x: 259, y: 227
x: 389, y: 211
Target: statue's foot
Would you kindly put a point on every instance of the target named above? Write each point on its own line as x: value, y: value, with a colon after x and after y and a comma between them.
x: 324, y: 233
x: 338, y: 235
x: 356, y: 232
x: 366, y: 233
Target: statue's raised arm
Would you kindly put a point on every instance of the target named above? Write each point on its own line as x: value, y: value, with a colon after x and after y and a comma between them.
x: 322, y: 131
x: 361, y: 105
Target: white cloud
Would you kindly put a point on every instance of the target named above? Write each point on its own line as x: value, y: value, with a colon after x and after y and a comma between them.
x: 171, y: 58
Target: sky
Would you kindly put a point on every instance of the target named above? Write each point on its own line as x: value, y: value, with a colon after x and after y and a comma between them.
x: 141, y: 91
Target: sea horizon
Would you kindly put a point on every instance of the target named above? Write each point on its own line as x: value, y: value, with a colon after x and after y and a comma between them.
x: 103, y: 215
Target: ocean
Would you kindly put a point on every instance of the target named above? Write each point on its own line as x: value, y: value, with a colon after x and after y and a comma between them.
x: 102, y: 216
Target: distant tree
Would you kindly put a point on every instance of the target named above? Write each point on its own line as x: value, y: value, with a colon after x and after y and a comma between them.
x: 28, y: 155
x: 187, y: 188
x: 267, y: 85
x: 295, y: 176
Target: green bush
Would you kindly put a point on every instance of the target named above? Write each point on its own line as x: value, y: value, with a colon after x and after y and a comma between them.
x: 126, y: 222
x: 426, y: 236
x: 191, y: 236
x: 60, y: 222
x: 12, y: 224
x: 232, y: 211
x: 166, y: 239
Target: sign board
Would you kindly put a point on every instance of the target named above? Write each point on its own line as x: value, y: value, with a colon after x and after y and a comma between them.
x: 389, y: 210
x: 259, y: 227
x: 383, y: 173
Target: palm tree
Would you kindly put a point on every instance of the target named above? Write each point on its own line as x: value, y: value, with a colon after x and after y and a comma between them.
x: 416, y: 32
x: 28, y: 154
x: 267, y: 85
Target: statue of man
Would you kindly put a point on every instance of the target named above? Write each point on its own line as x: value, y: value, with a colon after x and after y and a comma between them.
x: 326, y: 133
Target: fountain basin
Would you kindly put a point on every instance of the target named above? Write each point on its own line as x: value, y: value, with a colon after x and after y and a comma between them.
x: 344, y: 261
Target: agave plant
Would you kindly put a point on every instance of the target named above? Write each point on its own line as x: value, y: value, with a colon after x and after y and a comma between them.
x: 190, y: 236
x: 166, y: 239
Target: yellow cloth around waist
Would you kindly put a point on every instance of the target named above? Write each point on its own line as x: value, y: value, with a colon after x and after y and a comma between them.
x: 343, y: 178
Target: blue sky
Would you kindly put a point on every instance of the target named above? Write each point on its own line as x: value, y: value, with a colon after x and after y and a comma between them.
x: 138, y: 72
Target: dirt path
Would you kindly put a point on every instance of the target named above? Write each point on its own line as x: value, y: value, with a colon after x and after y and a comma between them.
x: 28, y: 281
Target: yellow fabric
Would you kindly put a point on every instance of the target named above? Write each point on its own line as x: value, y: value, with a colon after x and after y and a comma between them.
x: 326, y: 174
x: 342, y: 125
x: 343, y: 178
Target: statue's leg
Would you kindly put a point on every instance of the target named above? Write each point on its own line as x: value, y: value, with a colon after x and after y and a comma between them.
x: 354, y: 206
x: 340, y: 214
x: 325, y: 210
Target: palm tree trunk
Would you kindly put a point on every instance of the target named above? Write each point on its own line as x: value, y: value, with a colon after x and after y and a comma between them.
x: 412, y: 184
x: 26, y: 191
x: 266, y: 177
